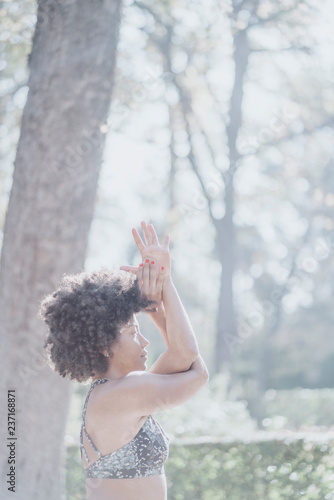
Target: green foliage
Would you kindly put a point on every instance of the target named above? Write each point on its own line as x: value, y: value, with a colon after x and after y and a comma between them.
x: 269, y: 469
x: 300, y: 407
x: 209, y: 413
x: 231, y: 460
x: 75, y: 477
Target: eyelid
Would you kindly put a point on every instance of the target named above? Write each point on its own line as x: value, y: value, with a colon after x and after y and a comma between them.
x: 129, y: 326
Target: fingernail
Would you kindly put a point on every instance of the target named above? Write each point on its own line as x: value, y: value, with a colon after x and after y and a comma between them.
x: 141, y: 265
x: 152, y: 262
x: 147, y: 260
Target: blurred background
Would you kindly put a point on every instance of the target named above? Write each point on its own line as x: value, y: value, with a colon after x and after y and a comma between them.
x: 220, y: 132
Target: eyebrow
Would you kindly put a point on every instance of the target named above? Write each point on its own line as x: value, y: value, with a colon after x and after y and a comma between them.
x: 132, y: 324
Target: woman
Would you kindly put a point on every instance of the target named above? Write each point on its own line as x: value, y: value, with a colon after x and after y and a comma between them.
x: 94, y: 335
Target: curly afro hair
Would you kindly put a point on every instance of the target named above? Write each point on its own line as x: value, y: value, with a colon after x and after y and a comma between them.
x: 84, y: 317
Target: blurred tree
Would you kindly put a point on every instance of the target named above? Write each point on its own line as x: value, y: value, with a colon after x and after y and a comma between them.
x: 48, y: 219
x: 267, y: 39
x: 243, y: 16
x: 17, y: 24
x: 177, y: 60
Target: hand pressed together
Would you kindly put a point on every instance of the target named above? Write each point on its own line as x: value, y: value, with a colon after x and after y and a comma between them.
x: 150, y: 283
x: 160, y: 254
x: 156, y: 263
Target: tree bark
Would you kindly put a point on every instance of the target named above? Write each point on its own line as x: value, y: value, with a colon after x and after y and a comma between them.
x: 227, y: 335
x: 48, y: 219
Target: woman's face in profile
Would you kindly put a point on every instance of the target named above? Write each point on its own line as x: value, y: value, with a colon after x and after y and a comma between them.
x: 129, y: 351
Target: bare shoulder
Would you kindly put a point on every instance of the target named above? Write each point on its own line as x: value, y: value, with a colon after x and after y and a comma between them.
x: 142, y: 393
x: 104, y: 413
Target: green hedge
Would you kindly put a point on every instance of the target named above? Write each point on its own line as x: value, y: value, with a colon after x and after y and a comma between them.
x: 268, y: 467
x: 299, y: 407
x: 75, y: 477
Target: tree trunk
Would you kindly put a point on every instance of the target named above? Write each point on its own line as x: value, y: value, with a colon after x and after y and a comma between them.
x: 49, y: 215
x: 226, y: 336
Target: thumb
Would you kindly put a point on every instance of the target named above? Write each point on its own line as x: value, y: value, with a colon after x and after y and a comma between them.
x: 130, y: 269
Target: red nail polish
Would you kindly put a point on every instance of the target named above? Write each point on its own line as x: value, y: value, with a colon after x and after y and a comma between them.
x: 152, y: 262
x: 162, y: 269
x: 141, y: 265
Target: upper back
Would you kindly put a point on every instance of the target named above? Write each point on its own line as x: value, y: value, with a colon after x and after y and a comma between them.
x: 141, y: 449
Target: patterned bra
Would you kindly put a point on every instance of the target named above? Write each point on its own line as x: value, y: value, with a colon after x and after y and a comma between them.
x: 143, y: 456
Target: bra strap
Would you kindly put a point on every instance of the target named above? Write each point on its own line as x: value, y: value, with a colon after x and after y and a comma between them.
x: 83, y: 421
x: 83, y: 449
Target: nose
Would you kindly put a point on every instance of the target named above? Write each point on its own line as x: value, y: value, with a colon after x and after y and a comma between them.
x: 146, y: 342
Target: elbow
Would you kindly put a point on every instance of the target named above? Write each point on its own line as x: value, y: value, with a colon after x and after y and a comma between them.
x: 191, y: 355
x: 187, y: 357
x: 205, y: 376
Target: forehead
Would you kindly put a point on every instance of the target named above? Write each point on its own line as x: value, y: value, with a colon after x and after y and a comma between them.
x: 133, y: 321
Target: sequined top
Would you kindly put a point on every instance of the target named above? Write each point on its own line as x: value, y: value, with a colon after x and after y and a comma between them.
x: 143, y: 456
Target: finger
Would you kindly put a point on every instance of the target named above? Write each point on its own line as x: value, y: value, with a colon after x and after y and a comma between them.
x: 160, y: 284
x: 139, y: 242
x: 146, y: 234
x: 154, y: 236
x: 153, y: 275
x: 146, y: 277
x: 166, y: 242
x: 160, y: 277
x: 131, y: 269
x: 140, y: 277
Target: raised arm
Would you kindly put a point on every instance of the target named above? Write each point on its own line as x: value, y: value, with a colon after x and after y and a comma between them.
x: 158, y: 317
x: 142, y: 393
x: 181, y: 336
x: 170, y: 316
x: 182, y: 347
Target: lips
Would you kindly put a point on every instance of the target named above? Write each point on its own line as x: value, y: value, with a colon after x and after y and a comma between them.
x: 144, y: 355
